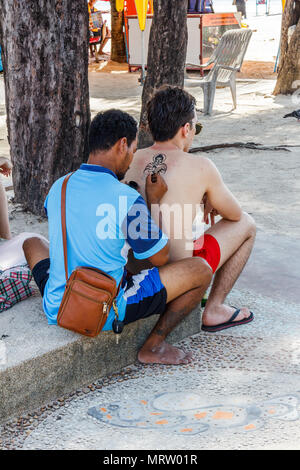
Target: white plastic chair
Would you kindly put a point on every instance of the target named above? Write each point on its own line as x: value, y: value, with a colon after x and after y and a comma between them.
x: 227, y: 59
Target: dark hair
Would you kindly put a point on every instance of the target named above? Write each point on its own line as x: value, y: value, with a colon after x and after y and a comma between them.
x: 110, y: 126
x: 169, y: 109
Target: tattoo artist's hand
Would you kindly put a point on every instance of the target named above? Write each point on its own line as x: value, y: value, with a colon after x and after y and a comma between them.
x: 5, y: 167
x: 156, y: 188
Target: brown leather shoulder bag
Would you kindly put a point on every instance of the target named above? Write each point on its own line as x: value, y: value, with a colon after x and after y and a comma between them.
x: 89, y: 293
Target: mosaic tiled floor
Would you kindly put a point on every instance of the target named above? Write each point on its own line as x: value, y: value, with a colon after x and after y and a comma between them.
x: 186, y: 413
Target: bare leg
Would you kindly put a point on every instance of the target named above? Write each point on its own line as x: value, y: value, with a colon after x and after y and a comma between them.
x: 4, y: 222
x: 102, y: 45
x: 236, y: 241
x: 185, y: 282
x: 35, y: 250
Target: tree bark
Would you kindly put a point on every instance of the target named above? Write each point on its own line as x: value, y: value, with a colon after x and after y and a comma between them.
x: 45, y: 57
x: 289, y: 69
x: 166, y: 54
x: 118, y: 51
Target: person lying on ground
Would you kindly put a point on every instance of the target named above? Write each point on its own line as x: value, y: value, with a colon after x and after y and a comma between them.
x: 104, y: 218
x: 5, y: 169
x: 193, y: 179
x: 11, y: 251
x: 15, y: 276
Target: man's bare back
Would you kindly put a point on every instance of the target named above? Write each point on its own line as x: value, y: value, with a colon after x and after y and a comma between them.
x: 189, y: 178
x: 184, y: 174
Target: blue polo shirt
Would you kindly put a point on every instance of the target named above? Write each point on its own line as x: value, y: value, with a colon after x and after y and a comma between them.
x: 104, y: 219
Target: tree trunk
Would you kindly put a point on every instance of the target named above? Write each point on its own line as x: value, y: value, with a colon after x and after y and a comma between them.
x: 166, y: 54
x: 289, y: 69
x: 45, y: 56
x: 118, y: 51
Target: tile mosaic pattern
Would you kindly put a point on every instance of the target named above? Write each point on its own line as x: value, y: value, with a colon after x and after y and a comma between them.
x: 184, y: 413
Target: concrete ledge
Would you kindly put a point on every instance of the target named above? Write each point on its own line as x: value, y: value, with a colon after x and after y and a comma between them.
x: 44, y: 362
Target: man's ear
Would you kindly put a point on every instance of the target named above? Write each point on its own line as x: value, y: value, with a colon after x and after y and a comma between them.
x: 186, y: 129
x: 122, y: 145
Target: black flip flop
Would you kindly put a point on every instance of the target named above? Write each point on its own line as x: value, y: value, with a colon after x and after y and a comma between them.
x: 229, y: 324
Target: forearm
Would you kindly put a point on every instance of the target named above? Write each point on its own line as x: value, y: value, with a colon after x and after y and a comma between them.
x: 155, y: 189
x: 225, y: 203
x: 231, y: 209
x: 154, y: 209
x: 135, y: 266
x: 219, y: 195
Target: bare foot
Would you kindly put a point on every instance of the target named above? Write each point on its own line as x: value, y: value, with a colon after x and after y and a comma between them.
x: 221, y: 314
x: 164, y: 353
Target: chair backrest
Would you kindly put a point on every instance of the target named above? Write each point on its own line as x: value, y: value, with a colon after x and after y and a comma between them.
x: 230, y: 51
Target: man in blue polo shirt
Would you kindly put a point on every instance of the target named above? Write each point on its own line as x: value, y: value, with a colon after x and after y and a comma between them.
x: 104, y: 219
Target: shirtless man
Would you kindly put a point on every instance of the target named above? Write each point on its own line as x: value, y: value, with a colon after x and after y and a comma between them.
x: 226, y: 245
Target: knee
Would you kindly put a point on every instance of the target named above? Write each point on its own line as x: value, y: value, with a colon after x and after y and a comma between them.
x: 250, y: 224
x: 29, y: 243
x: 202, y: 272
x: 207, y: 273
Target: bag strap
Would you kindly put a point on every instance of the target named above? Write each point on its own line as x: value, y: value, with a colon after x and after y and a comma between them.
x: 63, y: 221
x: 64, y: 227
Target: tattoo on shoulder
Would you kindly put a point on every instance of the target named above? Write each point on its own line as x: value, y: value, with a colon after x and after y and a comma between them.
x: 158, y: 165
